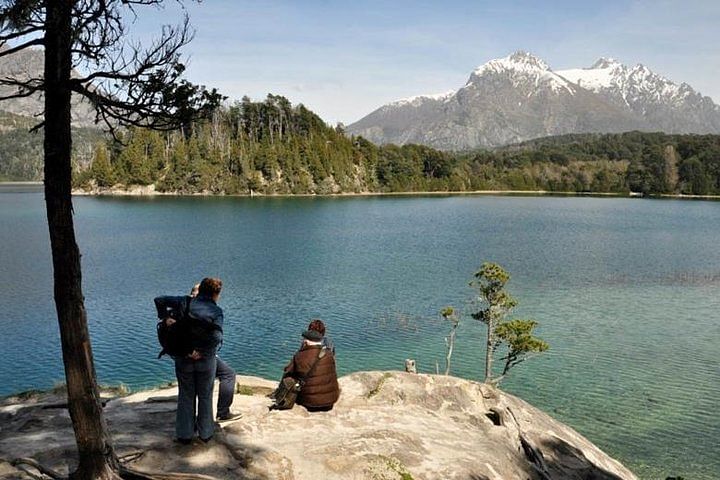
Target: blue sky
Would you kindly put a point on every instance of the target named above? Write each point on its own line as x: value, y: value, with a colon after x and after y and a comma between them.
x: 343, y: 59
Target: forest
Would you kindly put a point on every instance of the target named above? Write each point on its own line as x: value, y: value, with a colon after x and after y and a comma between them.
x: 274, y: 147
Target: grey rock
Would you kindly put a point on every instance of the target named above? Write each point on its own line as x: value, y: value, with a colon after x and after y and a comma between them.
x: 389, y: 425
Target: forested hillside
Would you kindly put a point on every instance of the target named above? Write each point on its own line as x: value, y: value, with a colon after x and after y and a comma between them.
x: 650, y: 163
x: 265, y: 147
x: 21, y: 151
x: 273, y: 147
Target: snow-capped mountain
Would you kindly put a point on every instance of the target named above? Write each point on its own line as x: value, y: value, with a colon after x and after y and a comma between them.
x: 665, y: 105
x: 519, y: 97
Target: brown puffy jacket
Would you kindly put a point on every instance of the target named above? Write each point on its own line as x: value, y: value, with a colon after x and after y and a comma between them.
x: 321, y: 387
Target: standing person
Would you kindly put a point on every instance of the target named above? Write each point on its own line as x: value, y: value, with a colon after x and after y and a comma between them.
x: 226, y: 375
x: 314, y: 364
x: 196, y: 372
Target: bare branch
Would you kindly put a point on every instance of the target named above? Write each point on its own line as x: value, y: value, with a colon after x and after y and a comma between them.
x: 20, y: 33
x: 17, y: 95
x: 37, y: 127
x: 22, y: 46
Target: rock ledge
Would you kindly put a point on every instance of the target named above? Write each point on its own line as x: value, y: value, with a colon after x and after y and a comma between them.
x: 387, y: 425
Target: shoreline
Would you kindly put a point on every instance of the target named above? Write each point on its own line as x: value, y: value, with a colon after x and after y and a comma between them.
x: 149, y: 191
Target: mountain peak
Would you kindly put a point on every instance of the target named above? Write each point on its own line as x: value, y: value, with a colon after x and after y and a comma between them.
x: 605, y: 62
x: 525, y: 58
x: 518, y: 97
x: 520, y: 61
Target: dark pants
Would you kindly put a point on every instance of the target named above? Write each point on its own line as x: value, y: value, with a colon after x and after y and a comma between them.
x: 195, y: 381
x: 226, y: 375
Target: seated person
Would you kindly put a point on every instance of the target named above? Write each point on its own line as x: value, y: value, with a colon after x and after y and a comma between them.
x: 320, y: 390
x: 318, y: 325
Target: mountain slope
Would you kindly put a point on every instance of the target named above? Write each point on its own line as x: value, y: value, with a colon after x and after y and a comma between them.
x: 26, y: 64
x: 519, y: 97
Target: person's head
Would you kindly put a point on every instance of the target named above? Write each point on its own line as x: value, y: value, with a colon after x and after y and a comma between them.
x: 210, y: 287
x: 317, y: 325
x: 195, y: 290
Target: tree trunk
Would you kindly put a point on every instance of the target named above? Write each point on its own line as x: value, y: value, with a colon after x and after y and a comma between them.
x: 96, y: 456
x: 488, y: 351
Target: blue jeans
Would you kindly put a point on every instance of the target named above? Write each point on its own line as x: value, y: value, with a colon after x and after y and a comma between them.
x: 195, y: 380
x: 226, y: 375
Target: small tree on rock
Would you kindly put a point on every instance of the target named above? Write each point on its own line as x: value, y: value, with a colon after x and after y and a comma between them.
x: 451, y: 316
x: 494, y: 305
x: 494, y: 302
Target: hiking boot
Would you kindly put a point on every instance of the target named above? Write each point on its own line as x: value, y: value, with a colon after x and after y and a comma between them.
x: 229, y: 417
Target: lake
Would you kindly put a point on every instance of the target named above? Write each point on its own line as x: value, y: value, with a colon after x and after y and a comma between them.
x: 626, y: 291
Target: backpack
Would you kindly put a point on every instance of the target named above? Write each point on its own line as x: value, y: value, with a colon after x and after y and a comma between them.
x: 176, y: 340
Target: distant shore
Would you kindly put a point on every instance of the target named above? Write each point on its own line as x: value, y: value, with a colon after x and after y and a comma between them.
x: 149, y: 191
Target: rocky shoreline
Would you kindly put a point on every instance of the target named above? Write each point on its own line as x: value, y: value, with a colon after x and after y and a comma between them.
x: 387, y: 425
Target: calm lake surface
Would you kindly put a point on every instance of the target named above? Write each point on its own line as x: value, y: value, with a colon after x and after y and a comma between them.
x: 627, y: 293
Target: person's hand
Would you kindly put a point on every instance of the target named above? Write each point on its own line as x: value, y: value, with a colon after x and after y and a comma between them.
x: 169, y: 321
x: 195, y: 355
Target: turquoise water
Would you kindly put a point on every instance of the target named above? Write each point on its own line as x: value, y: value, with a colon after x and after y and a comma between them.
x: 627, y: 292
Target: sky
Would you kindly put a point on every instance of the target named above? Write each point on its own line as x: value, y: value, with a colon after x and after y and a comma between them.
x: 344, y: 59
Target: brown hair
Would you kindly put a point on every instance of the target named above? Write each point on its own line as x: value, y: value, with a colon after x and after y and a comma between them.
x: 210, y: 286
x: 317, y: 325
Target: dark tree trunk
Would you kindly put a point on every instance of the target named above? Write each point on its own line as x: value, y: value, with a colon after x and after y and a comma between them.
x: 96, y: 456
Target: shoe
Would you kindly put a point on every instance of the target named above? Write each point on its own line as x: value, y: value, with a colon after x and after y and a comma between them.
x: 184, y: 441
x: 229, y: 417
x: 206, y: 440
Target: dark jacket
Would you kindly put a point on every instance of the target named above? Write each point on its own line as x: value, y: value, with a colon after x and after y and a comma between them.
x: 207, y: 315
x: 321, y: 387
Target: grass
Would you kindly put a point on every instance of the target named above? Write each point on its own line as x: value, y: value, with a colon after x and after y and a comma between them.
x: 375, y: 390
x: 249, y: 390
x: 390, y: 469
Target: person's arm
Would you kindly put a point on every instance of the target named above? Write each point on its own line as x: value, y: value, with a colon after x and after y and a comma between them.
x: 290, y: 368
x: 217, y: 334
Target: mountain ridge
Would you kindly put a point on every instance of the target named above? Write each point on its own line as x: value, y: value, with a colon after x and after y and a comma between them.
x: 519, y: 97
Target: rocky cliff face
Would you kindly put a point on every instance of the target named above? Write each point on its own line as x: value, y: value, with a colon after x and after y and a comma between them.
x: 520, y: 97
x: 28, y: 64
x: 387, y: 425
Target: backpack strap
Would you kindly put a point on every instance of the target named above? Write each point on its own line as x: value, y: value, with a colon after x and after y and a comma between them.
x: 321, y: 354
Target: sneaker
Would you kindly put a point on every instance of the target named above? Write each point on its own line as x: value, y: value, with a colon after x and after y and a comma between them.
x: 229, y: 417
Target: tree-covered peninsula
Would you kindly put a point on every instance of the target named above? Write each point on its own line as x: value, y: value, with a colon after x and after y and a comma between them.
x: 273, y: 147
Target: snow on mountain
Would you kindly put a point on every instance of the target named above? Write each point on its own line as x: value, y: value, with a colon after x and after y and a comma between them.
x: 608, y: 75
x: 520, y: 97
x: 419, y: 99
x: 601, y: 75
x: 521, y: 66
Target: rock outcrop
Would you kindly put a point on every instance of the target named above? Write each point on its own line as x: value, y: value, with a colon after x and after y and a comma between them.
x: 387, y: 425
